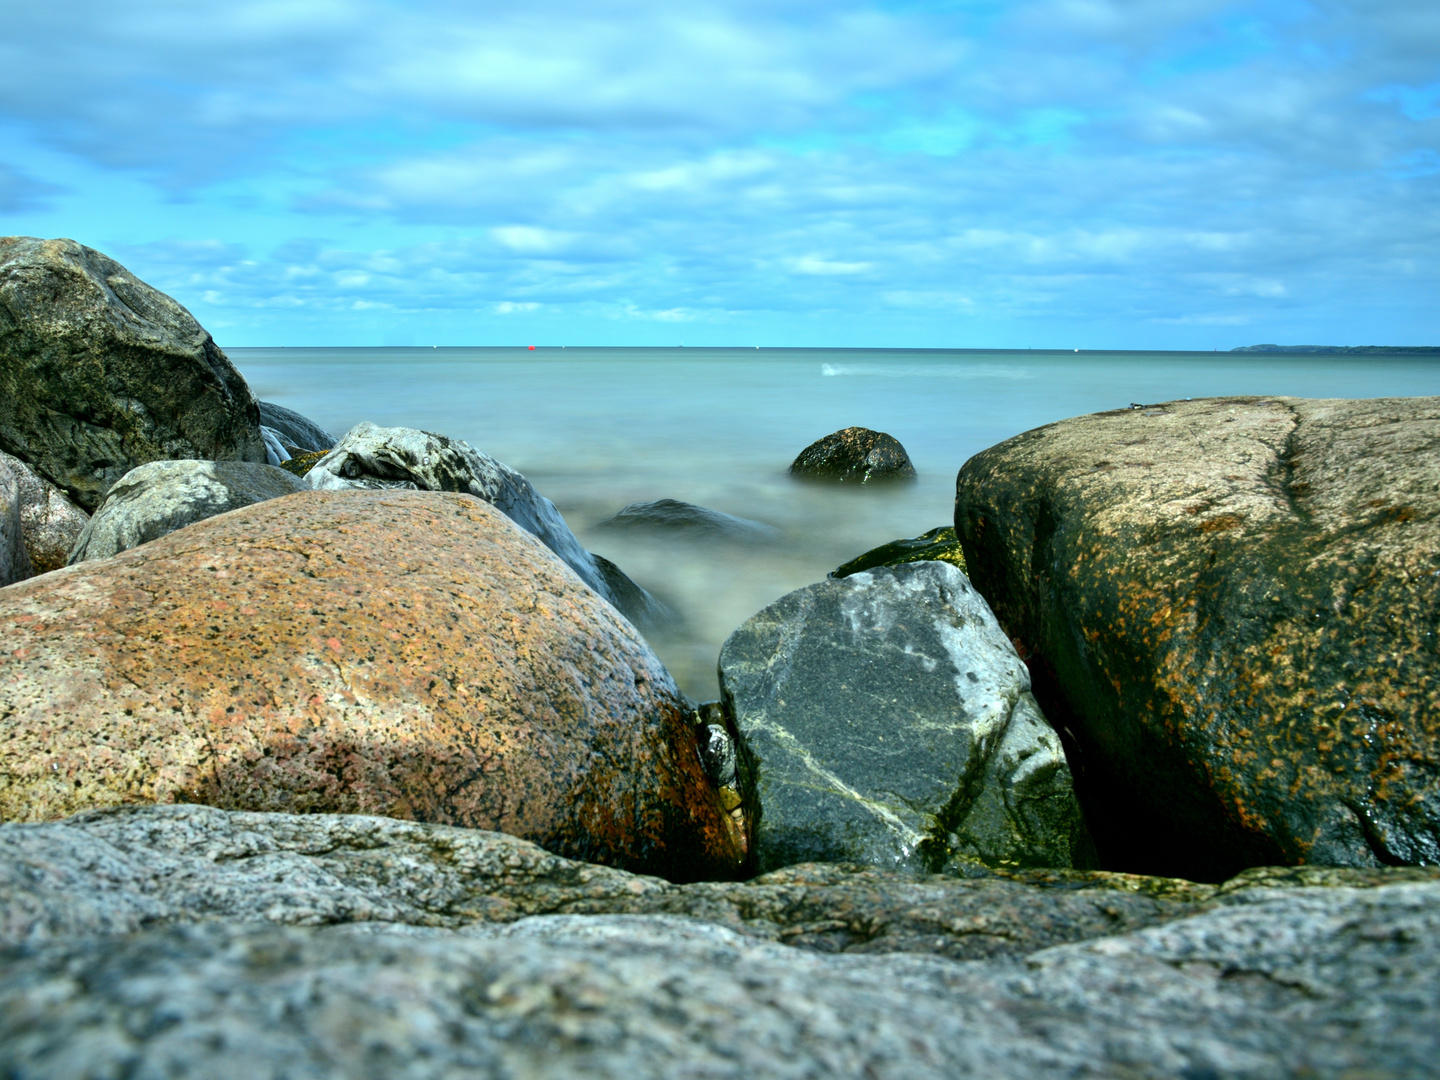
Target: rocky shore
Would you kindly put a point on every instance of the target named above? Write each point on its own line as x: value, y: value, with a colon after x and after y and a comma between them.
x: 342, y: 757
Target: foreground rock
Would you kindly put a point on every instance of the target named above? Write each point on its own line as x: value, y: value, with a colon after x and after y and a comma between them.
x: 671, y: 517
x: 1232, y: 604
x: 937, y: 545
x: 885, y: 719
x: 371, y: 457
x: 49, y: 522
x: 854, y: 455
x: 119, y: 963
x: 99, y: 373
x: 118, y: 871
x: 156, y: 499
x: 407, y: 653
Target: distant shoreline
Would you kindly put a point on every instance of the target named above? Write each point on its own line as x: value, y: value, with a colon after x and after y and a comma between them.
x: 1346, y: 350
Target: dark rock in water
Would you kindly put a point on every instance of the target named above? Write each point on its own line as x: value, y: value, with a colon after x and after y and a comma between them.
x: 296, y: 431
x: 49, y: 522
x: 637, y: 605
x: 885, y: 719
x: 854, y: 455
x: 937, y: 545
x: 672, y: 516
x: 372, y: 457
x: 145, y: 942
x: 408, y: 653
x: 155, y: 499
x: 1232, y: 604
x: 100, y: 373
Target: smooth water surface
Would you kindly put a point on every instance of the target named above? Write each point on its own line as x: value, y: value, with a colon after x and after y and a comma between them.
x: 595, y: 429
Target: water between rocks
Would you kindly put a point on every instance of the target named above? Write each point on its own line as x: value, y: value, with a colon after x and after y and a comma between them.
x: 596, y: 429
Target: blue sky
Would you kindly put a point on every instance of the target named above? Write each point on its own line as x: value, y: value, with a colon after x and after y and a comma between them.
x: 1057, y: 173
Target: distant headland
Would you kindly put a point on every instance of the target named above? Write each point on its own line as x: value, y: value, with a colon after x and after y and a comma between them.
x: 1349, y: 350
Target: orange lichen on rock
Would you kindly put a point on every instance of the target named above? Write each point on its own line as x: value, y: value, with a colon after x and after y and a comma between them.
x: 411, y: 654
x: 1248, y: 655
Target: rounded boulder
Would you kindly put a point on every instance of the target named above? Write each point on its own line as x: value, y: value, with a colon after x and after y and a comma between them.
x: 854, y: 455
x: 404, y: 653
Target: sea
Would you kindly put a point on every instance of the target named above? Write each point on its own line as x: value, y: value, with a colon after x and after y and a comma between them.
x: 595, y: 429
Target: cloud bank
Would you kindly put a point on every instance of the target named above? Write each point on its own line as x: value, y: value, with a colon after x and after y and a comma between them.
x: 1095, y: 172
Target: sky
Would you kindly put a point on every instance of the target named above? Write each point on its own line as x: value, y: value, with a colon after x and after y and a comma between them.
x: 1133, y: 174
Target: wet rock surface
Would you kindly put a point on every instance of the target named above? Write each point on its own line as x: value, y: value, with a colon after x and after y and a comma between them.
x: 671, y: 517
x: 154, y: 500
x: 854, y: 455
x: 408, y: 653
x: 297, y: 432
x: 371, y: 457
x: 117, y: 871
x: 937, y: 545
x: 49, y: 522
x: 410, y: 949
x: 1232, y: 604
x: 885, y: 719
x: 99, y: 373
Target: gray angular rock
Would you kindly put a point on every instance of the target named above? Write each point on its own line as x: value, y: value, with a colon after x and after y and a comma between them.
x: 49, y: 522
x: 100, y: 373
x: 675, y: 518
x: 886, y: 719
x: 162, y: 496
x: 295, y: 431
x: 374, y: 457
x: 14, y: 559
x: 1325, y: 983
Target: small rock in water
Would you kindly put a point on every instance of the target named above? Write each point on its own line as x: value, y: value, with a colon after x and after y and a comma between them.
x: 885, y: 719
x: 155, y: 499
x: 854, y: 455
x: 670, y: 516
x: 937, y: 545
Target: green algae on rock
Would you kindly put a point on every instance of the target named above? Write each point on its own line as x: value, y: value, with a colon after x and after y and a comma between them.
x: 301, y: 464
x: 938, y: 545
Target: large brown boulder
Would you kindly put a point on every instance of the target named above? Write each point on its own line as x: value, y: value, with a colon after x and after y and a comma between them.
x: 99, y: 373
x: 1232, y: 607
x: 411, y: 654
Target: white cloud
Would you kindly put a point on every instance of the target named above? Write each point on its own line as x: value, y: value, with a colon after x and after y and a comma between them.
x: 813, y: 264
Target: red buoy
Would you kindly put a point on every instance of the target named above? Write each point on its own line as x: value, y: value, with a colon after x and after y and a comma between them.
x: 532, y: 348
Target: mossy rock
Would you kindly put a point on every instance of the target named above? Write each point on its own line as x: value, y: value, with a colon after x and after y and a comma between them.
x: 937, y: 545
x: 301, y: 464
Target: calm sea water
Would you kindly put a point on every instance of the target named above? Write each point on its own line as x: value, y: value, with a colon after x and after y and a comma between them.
x: 595, y: 429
